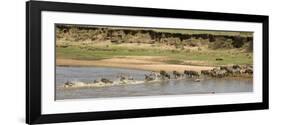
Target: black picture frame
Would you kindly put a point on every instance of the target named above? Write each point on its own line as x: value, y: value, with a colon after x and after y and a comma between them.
x: 33, y: 61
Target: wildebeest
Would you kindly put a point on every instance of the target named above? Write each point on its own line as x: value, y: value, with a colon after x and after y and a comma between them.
x: 176, y: 74
x: 219, y: 59
x: 223, y: 67
x: 152, y: 76
x: 104, y: 80
x: 148, y: 78
x: 229, y: 69
x: 205, y: 72
x: 122, y: 78
x: 236, y: 66
x: 221, y: 73
x: 191, y: 73
x: 68, y: 84
x: 125, y: 77
x: 164, y: 75
x: 249, y: 71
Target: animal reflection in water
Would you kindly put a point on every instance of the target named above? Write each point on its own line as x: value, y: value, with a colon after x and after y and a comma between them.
x: 152, y: 77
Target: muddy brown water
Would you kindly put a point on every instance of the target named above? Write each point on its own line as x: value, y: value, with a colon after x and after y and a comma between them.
x: 171, y: 87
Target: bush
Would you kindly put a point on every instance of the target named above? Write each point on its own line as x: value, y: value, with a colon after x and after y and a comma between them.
x: 220, y: 45
x: 237, y: 42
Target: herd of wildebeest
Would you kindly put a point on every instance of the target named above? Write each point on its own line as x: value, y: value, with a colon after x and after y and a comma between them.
x: 219, y: 72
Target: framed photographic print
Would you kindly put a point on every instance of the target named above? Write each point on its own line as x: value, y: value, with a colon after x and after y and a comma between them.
x: 94, y: 62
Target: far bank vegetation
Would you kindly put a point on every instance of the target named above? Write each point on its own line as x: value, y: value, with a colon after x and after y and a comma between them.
x: 196, y: 47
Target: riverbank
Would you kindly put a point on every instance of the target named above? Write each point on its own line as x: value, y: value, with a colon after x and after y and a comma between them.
x: 140, y: 63
x: 198, y: 56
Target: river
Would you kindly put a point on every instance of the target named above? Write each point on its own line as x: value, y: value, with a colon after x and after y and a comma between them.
x: 172, y: 87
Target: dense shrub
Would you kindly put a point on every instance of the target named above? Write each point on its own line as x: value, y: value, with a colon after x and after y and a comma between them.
x: 74, y: 34
x: 219, y: 44
x: 237, y: 42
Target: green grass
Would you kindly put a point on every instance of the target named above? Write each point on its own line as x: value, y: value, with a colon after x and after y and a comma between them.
x: 175, y: 56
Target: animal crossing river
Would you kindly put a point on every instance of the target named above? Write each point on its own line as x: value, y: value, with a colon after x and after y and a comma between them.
x: 169, y: 87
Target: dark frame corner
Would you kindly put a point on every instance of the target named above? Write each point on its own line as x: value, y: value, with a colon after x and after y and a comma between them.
x: 33, y: 61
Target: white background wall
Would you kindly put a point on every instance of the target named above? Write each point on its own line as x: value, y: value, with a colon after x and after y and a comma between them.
x: 12, y: 63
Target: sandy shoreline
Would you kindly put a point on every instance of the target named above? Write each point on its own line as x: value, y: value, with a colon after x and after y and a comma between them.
x: 131, y: 63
